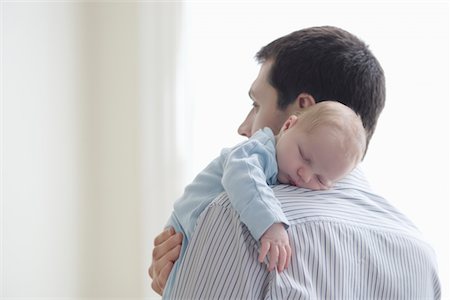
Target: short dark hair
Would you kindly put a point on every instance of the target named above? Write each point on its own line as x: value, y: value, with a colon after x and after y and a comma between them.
x: 328, y: 63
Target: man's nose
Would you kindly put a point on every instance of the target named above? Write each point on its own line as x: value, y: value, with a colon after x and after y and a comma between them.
x: 305, y: 173
x: 245, y: 129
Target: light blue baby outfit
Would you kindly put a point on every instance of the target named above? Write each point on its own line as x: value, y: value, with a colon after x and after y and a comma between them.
x: 244, y: 172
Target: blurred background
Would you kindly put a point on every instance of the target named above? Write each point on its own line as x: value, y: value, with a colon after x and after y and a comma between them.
x: 108, y: 109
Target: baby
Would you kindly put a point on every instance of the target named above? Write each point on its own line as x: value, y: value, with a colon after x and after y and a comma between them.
x: 314, y: 148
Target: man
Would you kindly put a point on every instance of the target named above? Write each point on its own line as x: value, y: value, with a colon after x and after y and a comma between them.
x: 347, y: 242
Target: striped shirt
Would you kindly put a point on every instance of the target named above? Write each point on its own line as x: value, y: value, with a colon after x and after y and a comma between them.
x: 347, y: 243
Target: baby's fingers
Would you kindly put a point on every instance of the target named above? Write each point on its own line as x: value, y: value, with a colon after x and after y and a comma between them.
x: 281, y: 259
x: 274, y: 252
x: 288, y: 256
x: 265, y: 246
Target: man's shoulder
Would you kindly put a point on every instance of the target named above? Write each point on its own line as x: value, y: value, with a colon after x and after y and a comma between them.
x: 351, y: 201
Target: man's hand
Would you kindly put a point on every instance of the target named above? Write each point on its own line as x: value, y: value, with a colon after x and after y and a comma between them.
x: 165, y: 253
x: 276, y: 240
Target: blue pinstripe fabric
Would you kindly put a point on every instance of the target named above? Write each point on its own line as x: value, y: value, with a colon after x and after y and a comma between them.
x: 348, y: 243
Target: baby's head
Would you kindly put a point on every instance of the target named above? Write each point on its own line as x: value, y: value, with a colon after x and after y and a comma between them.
x: 320, y: 145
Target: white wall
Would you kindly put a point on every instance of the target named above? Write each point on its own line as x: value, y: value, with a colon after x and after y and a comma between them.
x: 41, y: 155
x: 80, y: 81
x: 109, y: 209
x: 408, y: 159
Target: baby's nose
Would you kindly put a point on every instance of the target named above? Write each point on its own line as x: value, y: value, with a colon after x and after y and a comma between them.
x: 305, y: 173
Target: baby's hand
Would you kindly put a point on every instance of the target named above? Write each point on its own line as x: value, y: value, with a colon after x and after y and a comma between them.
x: 276, y: 240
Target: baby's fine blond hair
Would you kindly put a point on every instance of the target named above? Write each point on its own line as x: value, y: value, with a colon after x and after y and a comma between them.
x: 344, y: 124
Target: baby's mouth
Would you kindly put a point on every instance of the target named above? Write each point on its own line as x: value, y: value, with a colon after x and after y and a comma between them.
x: 291, y: 182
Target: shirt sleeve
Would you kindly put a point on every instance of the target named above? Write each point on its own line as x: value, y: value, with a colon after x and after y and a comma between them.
x: 245, y: 174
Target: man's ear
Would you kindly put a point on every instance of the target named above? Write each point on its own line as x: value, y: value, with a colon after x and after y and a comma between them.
x: 304, y: 100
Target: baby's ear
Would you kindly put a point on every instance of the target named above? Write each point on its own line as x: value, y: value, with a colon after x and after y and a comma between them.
x: 289, y: 122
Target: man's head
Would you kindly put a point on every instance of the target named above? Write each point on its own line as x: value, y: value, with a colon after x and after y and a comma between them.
x: 312, y: 65
x: 319, y: 145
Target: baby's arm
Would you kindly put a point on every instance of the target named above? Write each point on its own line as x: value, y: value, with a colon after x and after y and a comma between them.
x: 244, y: 179
x: 275, y: 240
